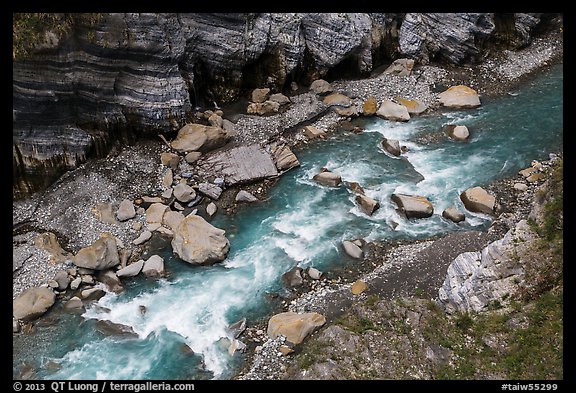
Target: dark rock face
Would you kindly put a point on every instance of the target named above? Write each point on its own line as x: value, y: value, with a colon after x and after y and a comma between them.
x: 138, y: 73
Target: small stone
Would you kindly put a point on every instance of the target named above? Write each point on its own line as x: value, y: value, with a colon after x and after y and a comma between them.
x: 520, y: 187
x: 358, y: 287
x: 144, y: 236
x: 245, y: 196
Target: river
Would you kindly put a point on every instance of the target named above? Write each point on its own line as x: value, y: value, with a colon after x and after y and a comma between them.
x: 299, y: 224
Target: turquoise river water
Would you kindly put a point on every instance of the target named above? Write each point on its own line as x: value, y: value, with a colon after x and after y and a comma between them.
x: 300, y: 223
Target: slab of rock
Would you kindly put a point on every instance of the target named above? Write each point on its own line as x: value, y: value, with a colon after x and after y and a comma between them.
x: 154, y: 267
x: 245, y: 196
x: 355, y: 187
x: 413, y: 206
x: 370, y: 106
x: 168, y: 178
x: 476, y: 199
x: 210, y: 190
x: 295, y: 327
x: 328, y: 178
x: 400, y: 67
x: 312, y: 132
x: 393, y: 111
x: 414, y: 107
x: 131, y: 270
x: 238, y: 165
x: 459, y: 97
x: 352, y: 249
x: 453, y: 214
x: 198, y: 137
x: 392, y: 146
x: 126, y: 210
x: 101, y: 255
x: 184, y: 193
x: 198, y: 242
x: 32, y: 303
x: 155, y: 213
x: 367, y: 204
x: 459, y: 133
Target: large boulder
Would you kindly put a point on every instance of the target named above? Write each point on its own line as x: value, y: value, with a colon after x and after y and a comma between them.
x: 154, y: 267
x: 320, y: 87
x: 312, y: 132
x: 413, y: 206
x: 210, y: 190
x: 352, y: 249
x: 453, y: 214
x: 155, y: 213
x: 393, y: 111
x: 198, y: 242
x: 459, y: 133
x: 328, y: 178
x: 101, y: 255
x: 32, y: 303
x: 295, y: 327
x: 198, y: 137
x: 283, y: 157
x: 184, y: 193
x: 131, y: 270
x: 367, y: 204
x: 370, y: 106
x: 459, y: 97
x: 414, y: 107
x: 260, y: 95
x: 392, y: 146
x: 477, y: 200
x: 111, y: 280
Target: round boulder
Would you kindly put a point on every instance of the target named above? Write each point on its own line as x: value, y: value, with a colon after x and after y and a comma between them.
x: 295, y: 327
x: 413, y: 206
x: 477, y: 200
x: 198, y: 242
x: 32, y: 303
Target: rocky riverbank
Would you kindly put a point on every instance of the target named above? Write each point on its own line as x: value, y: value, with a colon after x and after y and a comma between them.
x: 82, y: 205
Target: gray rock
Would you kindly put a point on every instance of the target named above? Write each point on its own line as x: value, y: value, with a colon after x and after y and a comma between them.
x: 170, y: 159
x: 293, y: 278
x: 260, y: 95
x: 75, y: 303
x: 110, y: 328
x: 62, y: 279
x: 312, y: 132
x: 245, y: 196
x: 198, y: 242
x: 328, y: 178
x: 453, y: 214
x: 264, y: 108
x: 143, y: 238
x: 476, y: 199
x: 400, y: 67
x: 198, y: 137
x: 131, y: 270
x: 32, y: 303
x: 295, y: 327
x: 284, y: 158
x: 184, y: 193
x: 352, y: 249
x: 459, y: 133
x: 111, y: 280
x: 92, y: 294
x: 392, y: 146
x: 314, y: 273
x: 154, y: 267
x: 237, y: 328
x: 168, y: 178
x: 155, y: 212
x: 337, y: 99
x: 101, y: 255
x: 280, y: 98
x: 367, y: 204
x: 520, y: 187
x: 126, y: 210
x: 210, y: 190
x: 172, y: 219
x: 192, y: 157
x: 211, y: 209
x: 413, y: 206
x: 75, y: 284
x: 320, y: 87
x: 392, y: 111
x: 459, y: 97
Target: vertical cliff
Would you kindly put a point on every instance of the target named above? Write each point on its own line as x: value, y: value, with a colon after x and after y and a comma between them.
x: 77, y: 89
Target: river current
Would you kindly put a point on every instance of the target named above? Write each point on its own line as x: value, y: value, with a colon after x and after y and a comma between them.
x: 299, y: 224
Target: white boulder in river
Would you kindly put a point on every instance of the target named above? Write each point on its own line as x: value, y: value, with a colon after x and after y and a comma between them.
x: 198, y: 242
